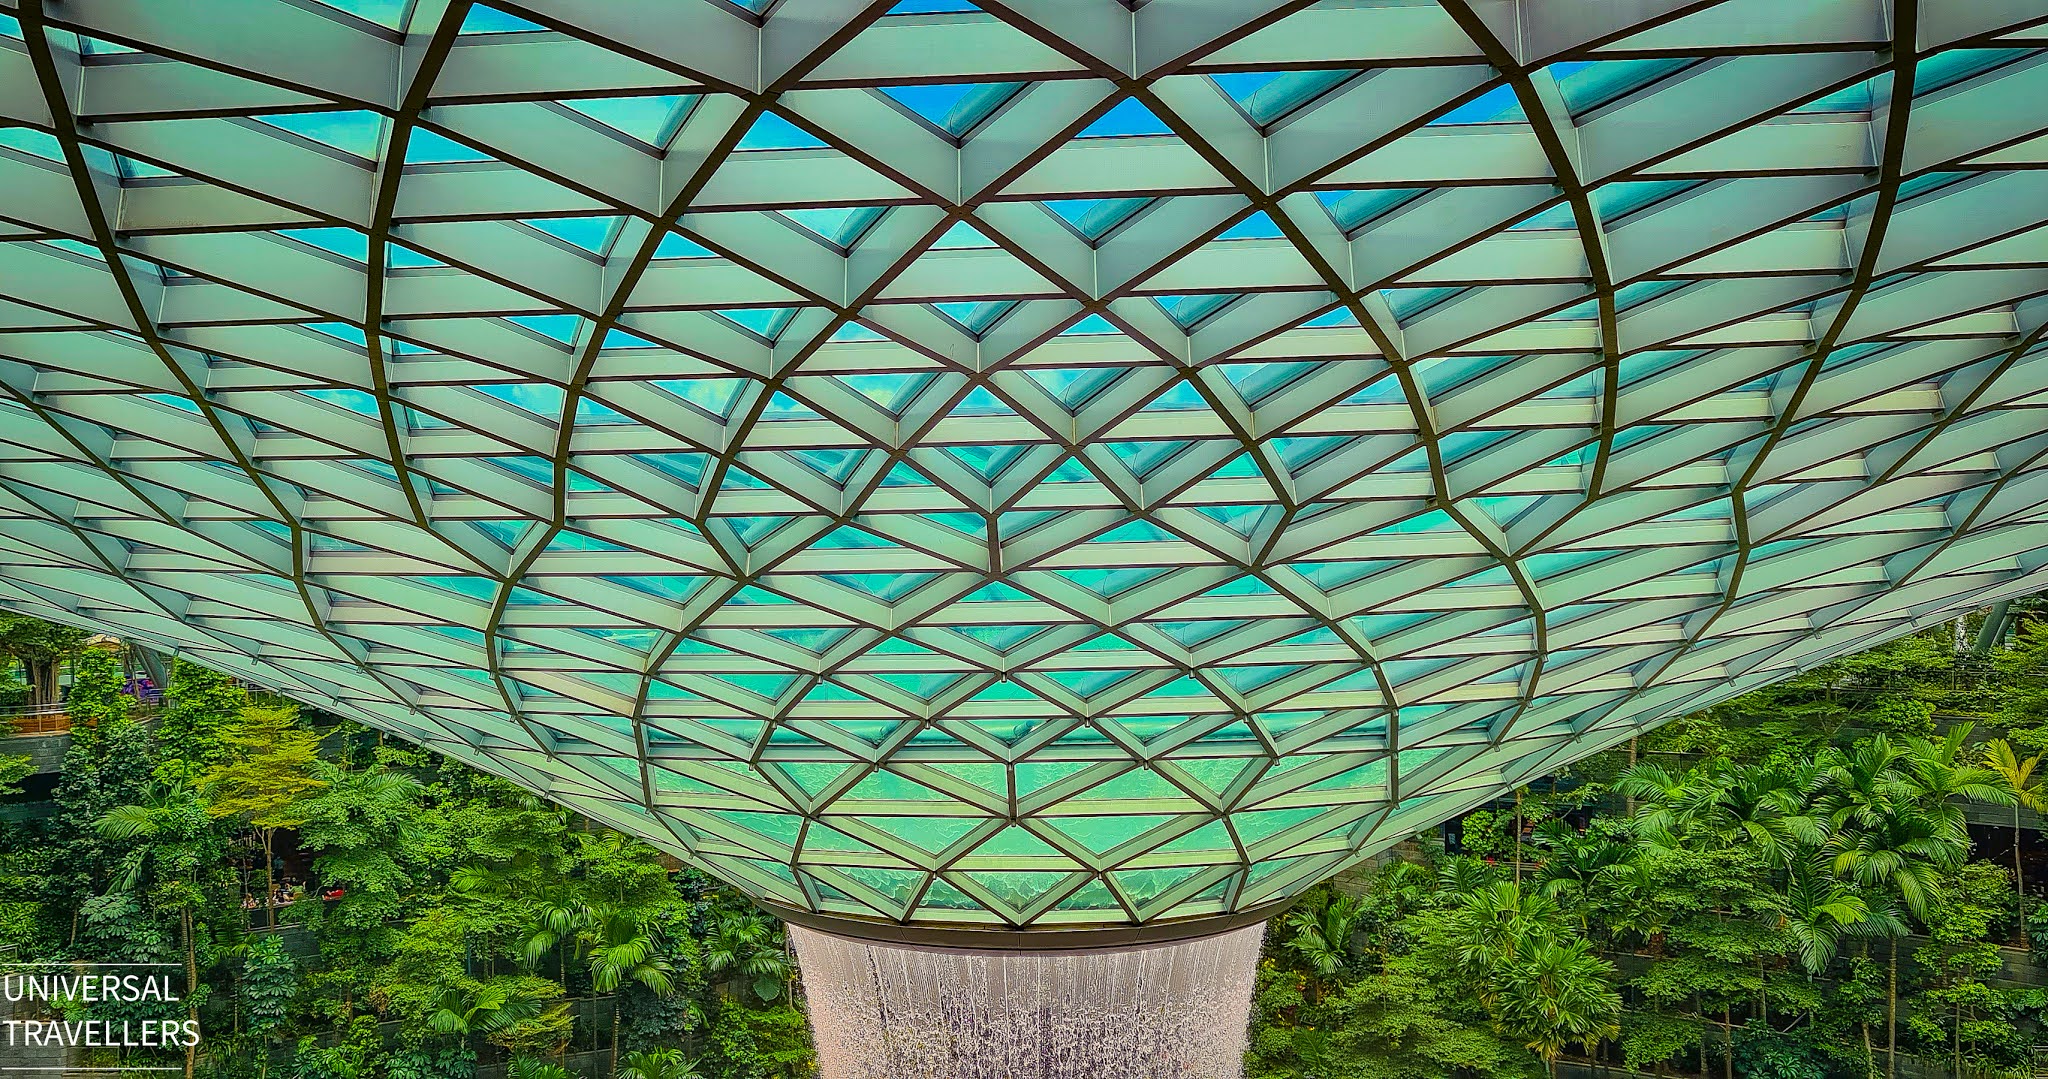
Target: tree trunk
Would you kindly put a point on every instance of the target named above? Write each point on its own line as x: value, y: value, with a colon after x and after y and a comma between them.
x: 615, y: 1032
x: 1518, y: 837
x: 191, y: 990
x: 1891, y: 1018
x: 269, y: 878
x: 2019, y: 880
x: 1628, y: 803
x: 1959, y: 1040
x: 1728, y: 1050
x: 41, y: 675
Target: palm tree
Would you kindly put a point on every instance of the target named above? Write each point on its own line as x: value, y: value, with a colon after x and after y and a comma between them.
x: 1818, y: 911
x: 1321, y: 934
x: 1556, y: 994
x: 748, y: 944
x: 534, y: 1068
x: 470, y: 1008
x: 2018, y: 777
x: 1944, y: 780
x: 623, y: 949
x: 1576, y: 860
x: 1901, y: 848
x: 658, y: 1064
x: 170, y: 830
x: 1491, y: 923
x: 1857, y: 786
x: 1675, y: 810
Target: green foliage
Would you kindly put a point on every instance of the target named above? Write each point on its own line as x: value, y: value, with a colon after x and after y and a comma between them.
x: 658, y: 1064
x: 269, y: 979
x: 39, y: 647
x: 535, y: 1068
x: 201, y: 710
x: 267, y: 770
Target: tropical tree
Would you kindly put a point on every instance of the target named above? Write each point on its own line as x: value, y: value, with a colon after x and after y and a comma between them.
x: 624, y: 949
x: 172, y: 844
x: 657, y: 1064
x: 534, y: 1068
x: 1576, y: 860
x: 1488, y: 926
x: 2019, y: 779
x: 1553, y: 994
x: 1320, y: 933
x: 1818, y: 911
x: 201, y: 707
x: 748, y: 944
x: 272, y: 772
x: 41, y: 648
x: 470, y: 1007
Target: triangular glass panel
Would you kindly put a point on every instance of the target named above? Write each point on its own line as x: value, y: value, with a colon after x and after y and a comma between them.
x: 954, y: 108
x: 753, y: 531
x: 1095, y: 218
x: 887, y: 587
x: 941, y: 895
x: 772, y: 131
x: 1144, y: 458
x: 489, y: 20
x: 896, y: 884
x: 1073, y: 387
x: 1094, y: 895
x: 1352, y: 210
x: 975, y: 316
x: 1001, y: 638
x: 1268, y: 96
x: 559, y: 327
x: 1258, y: 226
x: 1188, y: 310
x: 892, y: 392
x: 426, y: 147
x: 1017, y: 889
x: 840, y: 226
x: 929, y: 834
x: 987, y: 461
x: 1126, y: 117
x: 1110, y: 583
x: 397, y: 256
x: 992, y: 778
x: 651, y: 119
x: 1100, y: 835
x: 835, y: 465
x: 1243, y: 520
x: 355, y: 132
x: 677, y: 246
x: 592, y: 234
x: 1145, y: 885
x: 811, y: 640
x: 959, y: 236
x: 348, y: 243
x: 763, y: 322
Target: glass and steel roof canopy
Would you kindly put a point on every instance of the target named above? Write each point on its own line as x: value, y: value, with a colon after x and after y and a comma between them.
x: 1052, y: 462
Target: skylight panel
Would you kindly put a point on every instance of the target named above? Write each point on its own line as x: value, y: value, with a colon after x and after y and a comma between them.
x: 772, y: 131
x: 426, y: 147
x: 489, y: 20
x: 592, y: 234
x: 356, y: 132
x: 650, y: 118
x: 1127, y: 117
x: 954, y: 108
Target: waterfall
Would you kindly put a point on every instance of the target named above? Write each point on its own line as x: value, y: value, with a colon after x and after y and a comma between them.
x: 1163, y: 1011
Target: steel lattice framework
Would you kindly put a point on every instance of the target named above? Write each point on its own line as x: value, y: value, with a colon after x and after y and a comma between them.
x: 1054, y: 462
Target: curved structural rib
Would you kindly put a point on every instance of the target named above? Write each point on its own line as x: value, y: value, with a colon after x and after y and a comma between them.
x: 1036, y: 466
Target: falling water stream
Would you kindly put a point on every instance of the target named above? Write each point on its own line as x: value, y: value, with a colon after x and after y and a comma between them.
x: 1164, y: 1011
